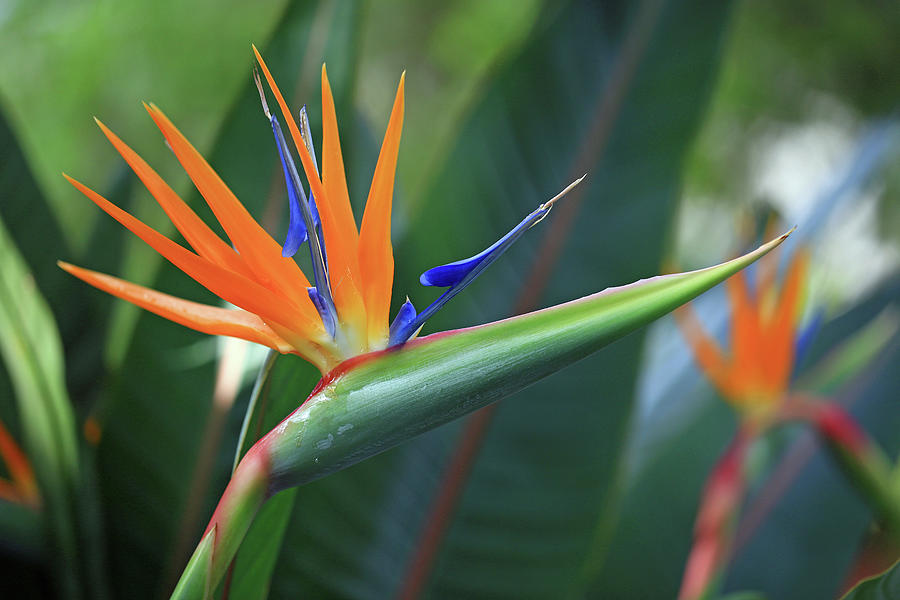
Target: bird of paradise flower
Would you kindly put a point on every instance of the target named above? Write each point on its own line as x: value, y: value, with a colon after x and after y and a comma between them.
x: 344, y: 312
x: 754, y: 376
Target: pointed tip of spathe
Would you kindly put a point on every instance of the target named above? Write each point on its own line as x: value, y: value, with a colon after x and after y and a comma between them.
x: 784, y: 236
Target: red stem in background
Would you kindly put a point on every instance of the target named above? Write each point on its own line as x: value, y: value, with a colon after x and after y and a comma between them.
x: 476, y: 426
x: 839, y: 428
x: 714, y: 529
x: 447, y: 497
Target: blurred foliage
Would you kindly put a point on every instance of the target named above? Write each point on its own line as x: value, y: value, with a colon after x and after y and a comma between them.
x: 64, y: 62
x: 579, y: 486
x: 797, y: 64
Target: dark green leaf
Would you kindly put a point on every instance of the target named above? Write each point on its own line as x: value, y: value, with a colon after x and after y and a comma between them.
x: 31, y: 349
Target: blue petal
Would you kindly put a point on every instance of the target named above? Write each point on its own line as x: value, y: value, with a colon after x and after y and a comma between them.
x: 405, y: 317
x: 297, y: 233
x: 453, y: 273
x: 324, y: 311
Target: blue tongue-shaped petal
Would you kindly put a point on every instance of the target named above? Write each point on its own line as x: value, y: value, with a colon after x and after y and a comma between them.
x: 457, y: 275
x: 405, y: 316
x: 453, y: 273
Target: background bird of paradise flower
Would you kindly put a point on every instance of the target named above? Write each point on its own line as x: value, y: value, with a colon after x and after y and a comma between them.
x: 685, y: 115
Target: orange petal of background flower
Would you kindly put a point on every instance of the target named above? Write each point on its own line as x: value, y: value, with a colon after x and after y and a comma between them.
x: 229, y: 286
x: 376, y: 256
x: 746, y: 340
x: 206, y: 319
x: 258, y: 249
x: 707, y: 353
x: 780, y: 331
x: 201, y: 238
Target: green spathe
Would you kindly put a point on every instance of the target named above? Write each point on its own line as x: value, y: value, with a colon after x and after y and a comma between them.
x: 377, y: 401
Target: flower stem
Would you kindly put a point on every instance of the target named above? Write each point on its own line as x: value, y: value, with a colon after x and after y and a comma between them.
x: 716, y: 520
x: 244, y: 495
x: 862, y: 461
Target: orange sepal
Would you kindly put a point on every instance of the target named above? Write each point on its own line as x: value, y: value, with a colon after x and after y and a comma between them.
x: 334, y: 178
x: 376, y: 256
x: 229, y: 286
x: 201, y: 317
x: 341, y: 237
x: 781, y: 328
x: 201, y: 238
x: 258, y: 249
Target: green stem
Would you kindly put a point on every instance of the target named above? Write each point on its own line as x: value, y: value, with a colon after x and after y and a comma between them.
x: 863, y: 462
x: 716, y: 520
x: 243, y: 497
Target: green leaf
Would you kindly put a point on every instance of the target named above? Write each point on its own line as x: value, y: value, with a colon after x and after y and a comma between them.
x: 259, y: 551
x: 882, y: 587
x: 31, y: 349
x: 71, y: 47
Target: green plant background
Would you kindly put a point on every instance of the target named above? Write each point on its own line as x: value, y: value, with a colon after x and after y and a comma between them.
x: 581, y: 486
